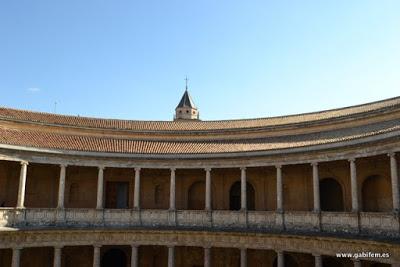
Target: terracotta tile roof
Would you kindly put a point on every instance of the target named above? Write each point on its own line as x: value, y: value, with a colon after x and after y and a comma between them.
x: 28, y: 116
x: 52, y: 140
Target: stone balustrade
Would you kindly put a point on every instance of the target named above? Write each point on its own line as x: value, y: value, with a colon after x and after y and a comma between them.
x: 363, y: 223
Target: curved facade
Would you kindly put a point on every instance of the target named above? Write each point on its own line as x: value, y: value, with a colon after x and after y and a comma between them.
x: 281, y: 191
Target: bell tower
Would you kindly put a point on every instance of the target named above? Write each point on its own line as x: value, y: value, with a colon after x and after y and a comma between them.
x: 186, y: 109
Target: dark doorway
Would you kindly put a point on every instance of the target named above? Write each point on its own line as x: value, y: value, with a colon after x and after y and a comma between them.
x: 114, y: 258
x: 331, y: 195
x: 117, y: 195
x: 196, y: 196
x: 235, y: 196
x: 288, y: 261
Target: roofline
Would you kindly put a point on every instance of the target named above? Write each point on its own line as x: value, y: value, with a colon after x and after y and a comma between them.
x: 202, y: 121
x: 309, y: 148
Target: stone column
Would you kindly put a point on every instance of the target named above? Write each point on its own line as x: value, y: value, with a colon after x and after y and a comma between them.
x: 395, y: 181
x: 61, y: 187
x: 96, y: 256
x: 57, y: 256
x: 172, y: 190
x: 318, y: 260
x: 354, y: 189
x: 16, y: 257
x: 280, y: 259
x: 22, y: 183
x: 208, y: 190
x: 357, y: 263
x: 136, y: 195
x: 134, y: 256
x: 243, y: 257
x: 171, y: 256
x: 279, y: 189
x: 207, y: 257
x: 100, y: 184
x: 243, y: 188
x: 317, y: 205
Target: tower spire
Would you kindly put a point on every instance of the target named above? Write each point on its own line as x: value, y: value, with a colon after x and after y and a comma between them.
x: 186, y: 109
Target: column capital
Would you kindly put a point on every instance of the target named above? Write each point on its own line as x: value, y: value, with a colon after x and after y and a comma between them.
x: 24, y: 162
x: 207, y: 169
x: 207, y: 247
x: 137, y: 169
x: 314, y: 163
x: 391, y: 154
x: 172, y: 169
x: 135, y: 245
x: 58, y: 247
x: 242, y: 168
x: 101, y: 167
x: 352, y: 160
x: 97, y: 245
x: 17, y: 248
x: 171, y: 246
x: 63, y: 165
x: 316, y: 255
x: 278, y: 166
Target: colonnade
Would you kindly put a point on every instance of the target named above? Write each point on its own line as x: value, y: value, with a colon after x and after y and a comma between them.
x: 280, y: 259
x: 243, y: 181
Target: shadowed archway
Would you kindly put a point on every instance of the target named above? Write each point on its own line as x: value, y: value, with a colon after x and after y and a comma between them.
x: 235, y: 196
x: 331, y: 195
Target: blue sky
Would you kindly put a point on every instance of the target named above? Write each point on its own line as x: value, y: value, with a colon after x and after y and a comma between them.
x: 128, y: 59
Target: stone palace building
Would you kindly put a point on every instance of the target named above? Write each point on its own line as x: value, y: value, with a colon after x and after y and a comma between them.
x: 299, y: 190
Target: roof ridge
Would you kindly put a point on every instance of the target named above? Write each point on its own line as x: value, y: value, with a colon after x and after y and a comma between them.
x: 118, y: 123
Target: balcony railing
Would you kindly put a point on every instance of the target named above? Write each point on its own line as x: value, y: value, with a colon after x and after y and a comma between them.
x: 364, y: 223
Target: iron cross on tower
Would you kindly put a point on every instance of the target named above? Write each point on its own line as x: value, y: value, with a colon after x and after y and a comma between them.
x: 186, y: 81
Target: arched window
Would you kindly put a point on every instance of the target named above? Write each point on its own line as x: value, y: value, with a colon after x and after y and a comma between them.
x: 376, y: 194
x: 235, y: 196
x: 74, y: 193
x: 196, y: 196
x: 331, y: 195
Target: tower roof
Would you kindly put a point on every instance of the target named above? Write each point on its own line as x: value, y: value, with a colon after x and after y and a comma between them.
x: 186, y: 101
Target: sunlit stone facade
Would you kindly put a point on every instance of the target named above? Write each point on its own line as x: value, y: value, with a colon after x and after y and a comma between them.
x: 281, y: 191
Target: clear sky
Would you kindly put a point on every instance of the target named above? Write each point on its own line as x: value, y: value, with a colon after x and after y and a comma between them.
x: 128, y: 59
